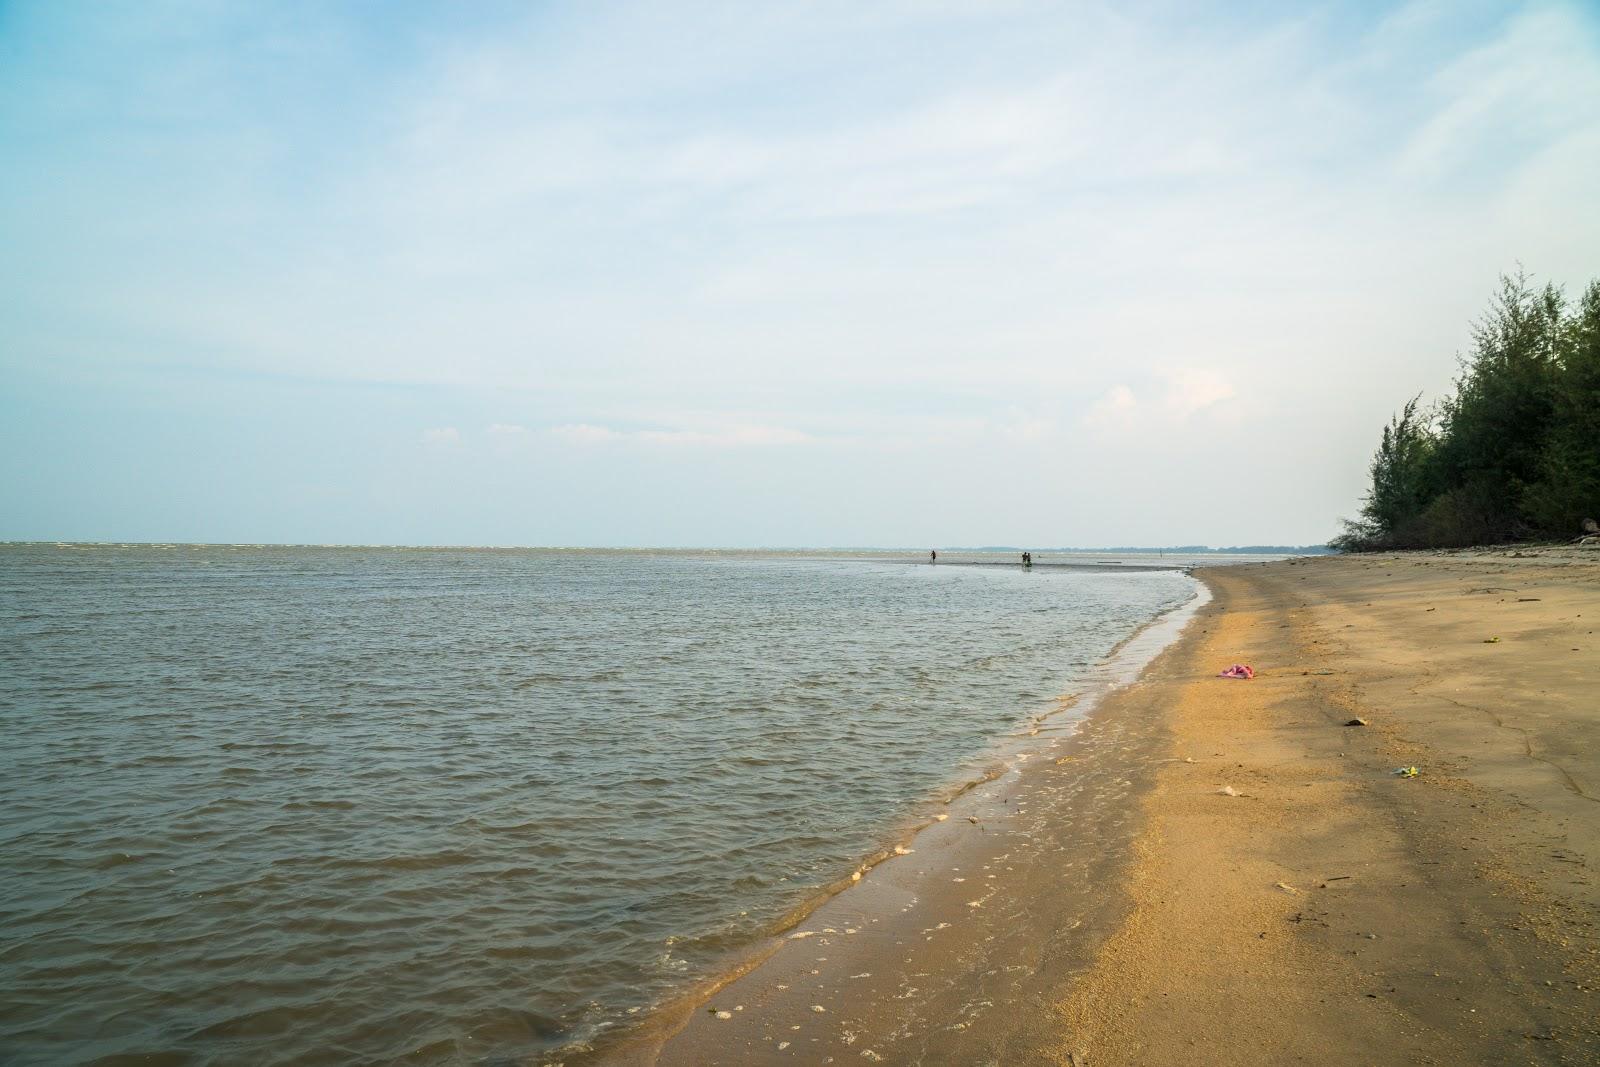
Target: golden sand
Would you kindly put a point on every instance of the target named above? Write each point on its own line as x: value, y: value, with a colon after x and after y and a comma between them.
x: 1337, y: 912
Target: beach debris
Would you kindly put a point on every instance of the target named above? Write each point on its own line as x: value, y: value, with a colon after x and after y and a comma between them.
x: 1239, y: 670
x: 868, y: 1054
x: 1286, y: 887
x: 819, y: 1009
x: 782, y: 1045
x: 723, y: 1014
x: 901, y: 850
x: 802, y: 934
x: 1190, y: 759
x: 1357, y: 721
x: 855, y: 876
x: 973, y: 819
x: 941, y: 817
x: 1228, y: 791
x: 1406, y: 772
x: 1491, y: 640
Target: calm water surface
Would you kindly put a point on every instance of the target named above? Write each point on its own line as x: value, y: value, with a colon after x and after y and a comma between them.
x: 301, y: 805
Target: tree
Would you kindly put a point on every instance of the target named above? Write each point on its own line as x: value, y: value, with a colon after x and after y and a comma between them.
x: 1402, y: 483
x: 1514, y: 452
x: 1568, y: 490
x: 1494, y: 429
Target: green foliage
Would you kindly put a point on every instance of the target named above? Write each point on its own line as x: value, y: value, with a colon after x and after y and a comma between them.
x: 1568, y: 489
x: 1403, y: 479
x: 1514, y: 453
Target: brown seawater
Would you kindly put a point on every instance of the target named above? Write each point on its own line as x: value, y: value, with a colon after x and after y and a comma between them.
x: 345, y: 805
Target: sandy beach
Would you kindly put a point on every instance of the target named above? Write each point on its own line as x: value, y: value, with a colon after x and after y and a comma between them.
x: 1218, y: 871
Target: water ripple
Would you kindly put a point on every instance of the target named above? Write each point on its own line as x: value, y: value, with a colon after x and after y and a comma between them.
x: 332, y: 806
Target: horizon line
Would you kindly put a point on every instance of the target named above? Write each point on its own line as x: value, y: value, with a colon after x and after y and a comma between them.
x: 1261, y: 548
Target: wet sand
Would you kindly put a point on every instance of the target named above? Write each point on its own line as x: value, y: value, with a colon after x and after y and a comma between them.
x: 1107, y: 904
x: 955, y: 952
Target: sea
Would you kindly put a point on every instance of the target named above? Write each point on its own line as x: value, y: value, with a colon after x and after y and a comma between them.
x: 332, y: 805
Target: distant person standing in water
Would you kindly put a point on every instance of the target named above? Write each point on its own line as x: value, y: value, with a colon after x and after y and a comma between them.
x: 933, y: 556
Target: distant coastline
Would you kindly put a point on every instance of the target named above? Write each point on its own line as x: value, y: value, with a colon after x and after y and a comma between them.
x: 1187, y: 550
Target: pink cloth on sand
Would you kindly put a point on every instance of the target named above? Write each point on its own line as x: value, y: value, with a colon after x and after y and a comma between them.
x: 1238, y: 670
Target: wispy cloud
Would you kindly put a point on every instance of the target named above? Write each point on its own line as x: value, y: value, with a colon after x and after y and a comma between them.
x: 759, y: 239
x: 725, y: 437
x: 1533, y: 85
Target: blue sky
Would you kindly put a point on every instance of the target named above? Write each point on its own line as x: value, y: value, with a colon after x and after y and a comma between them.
x: 811, y: 274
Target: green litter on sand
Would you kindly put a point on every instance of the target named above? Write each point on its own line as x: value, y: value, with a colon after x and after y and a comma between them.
x: 1491, y: 640
x: 1407, y: 772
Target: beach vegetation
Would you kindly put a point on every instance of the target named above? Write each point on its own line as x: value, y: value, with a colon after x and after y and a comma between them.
x: 1513, y: 453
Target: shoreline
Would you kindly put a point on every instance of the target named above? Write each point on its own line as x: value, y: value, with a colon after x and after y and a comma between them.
x: 915, y: 891
x: 1324, y: 910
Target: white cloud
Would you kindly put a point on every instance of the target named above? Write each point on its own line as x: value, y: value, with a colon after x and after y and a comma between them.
x: 1025, y: 427
x: 1194, y: 390
x: 1183, y: 394
x: 727, y: 437
x: 1115, y: 408
x: 503, y: 430
x: 442, y: 437
x: 583, y: 433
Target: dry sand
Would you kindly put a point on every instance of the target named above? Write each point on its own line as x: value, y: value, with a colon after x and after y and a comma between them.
x: 1127, y: 912
x: 1337, y: 913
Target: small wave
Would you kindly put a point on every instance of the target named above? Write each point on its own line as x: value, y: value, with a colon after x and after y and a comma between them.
x: 115, y: 859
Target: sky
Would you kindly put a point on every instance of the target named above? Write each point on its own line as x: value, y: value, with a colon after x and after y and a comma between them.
x: 810, y: 274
